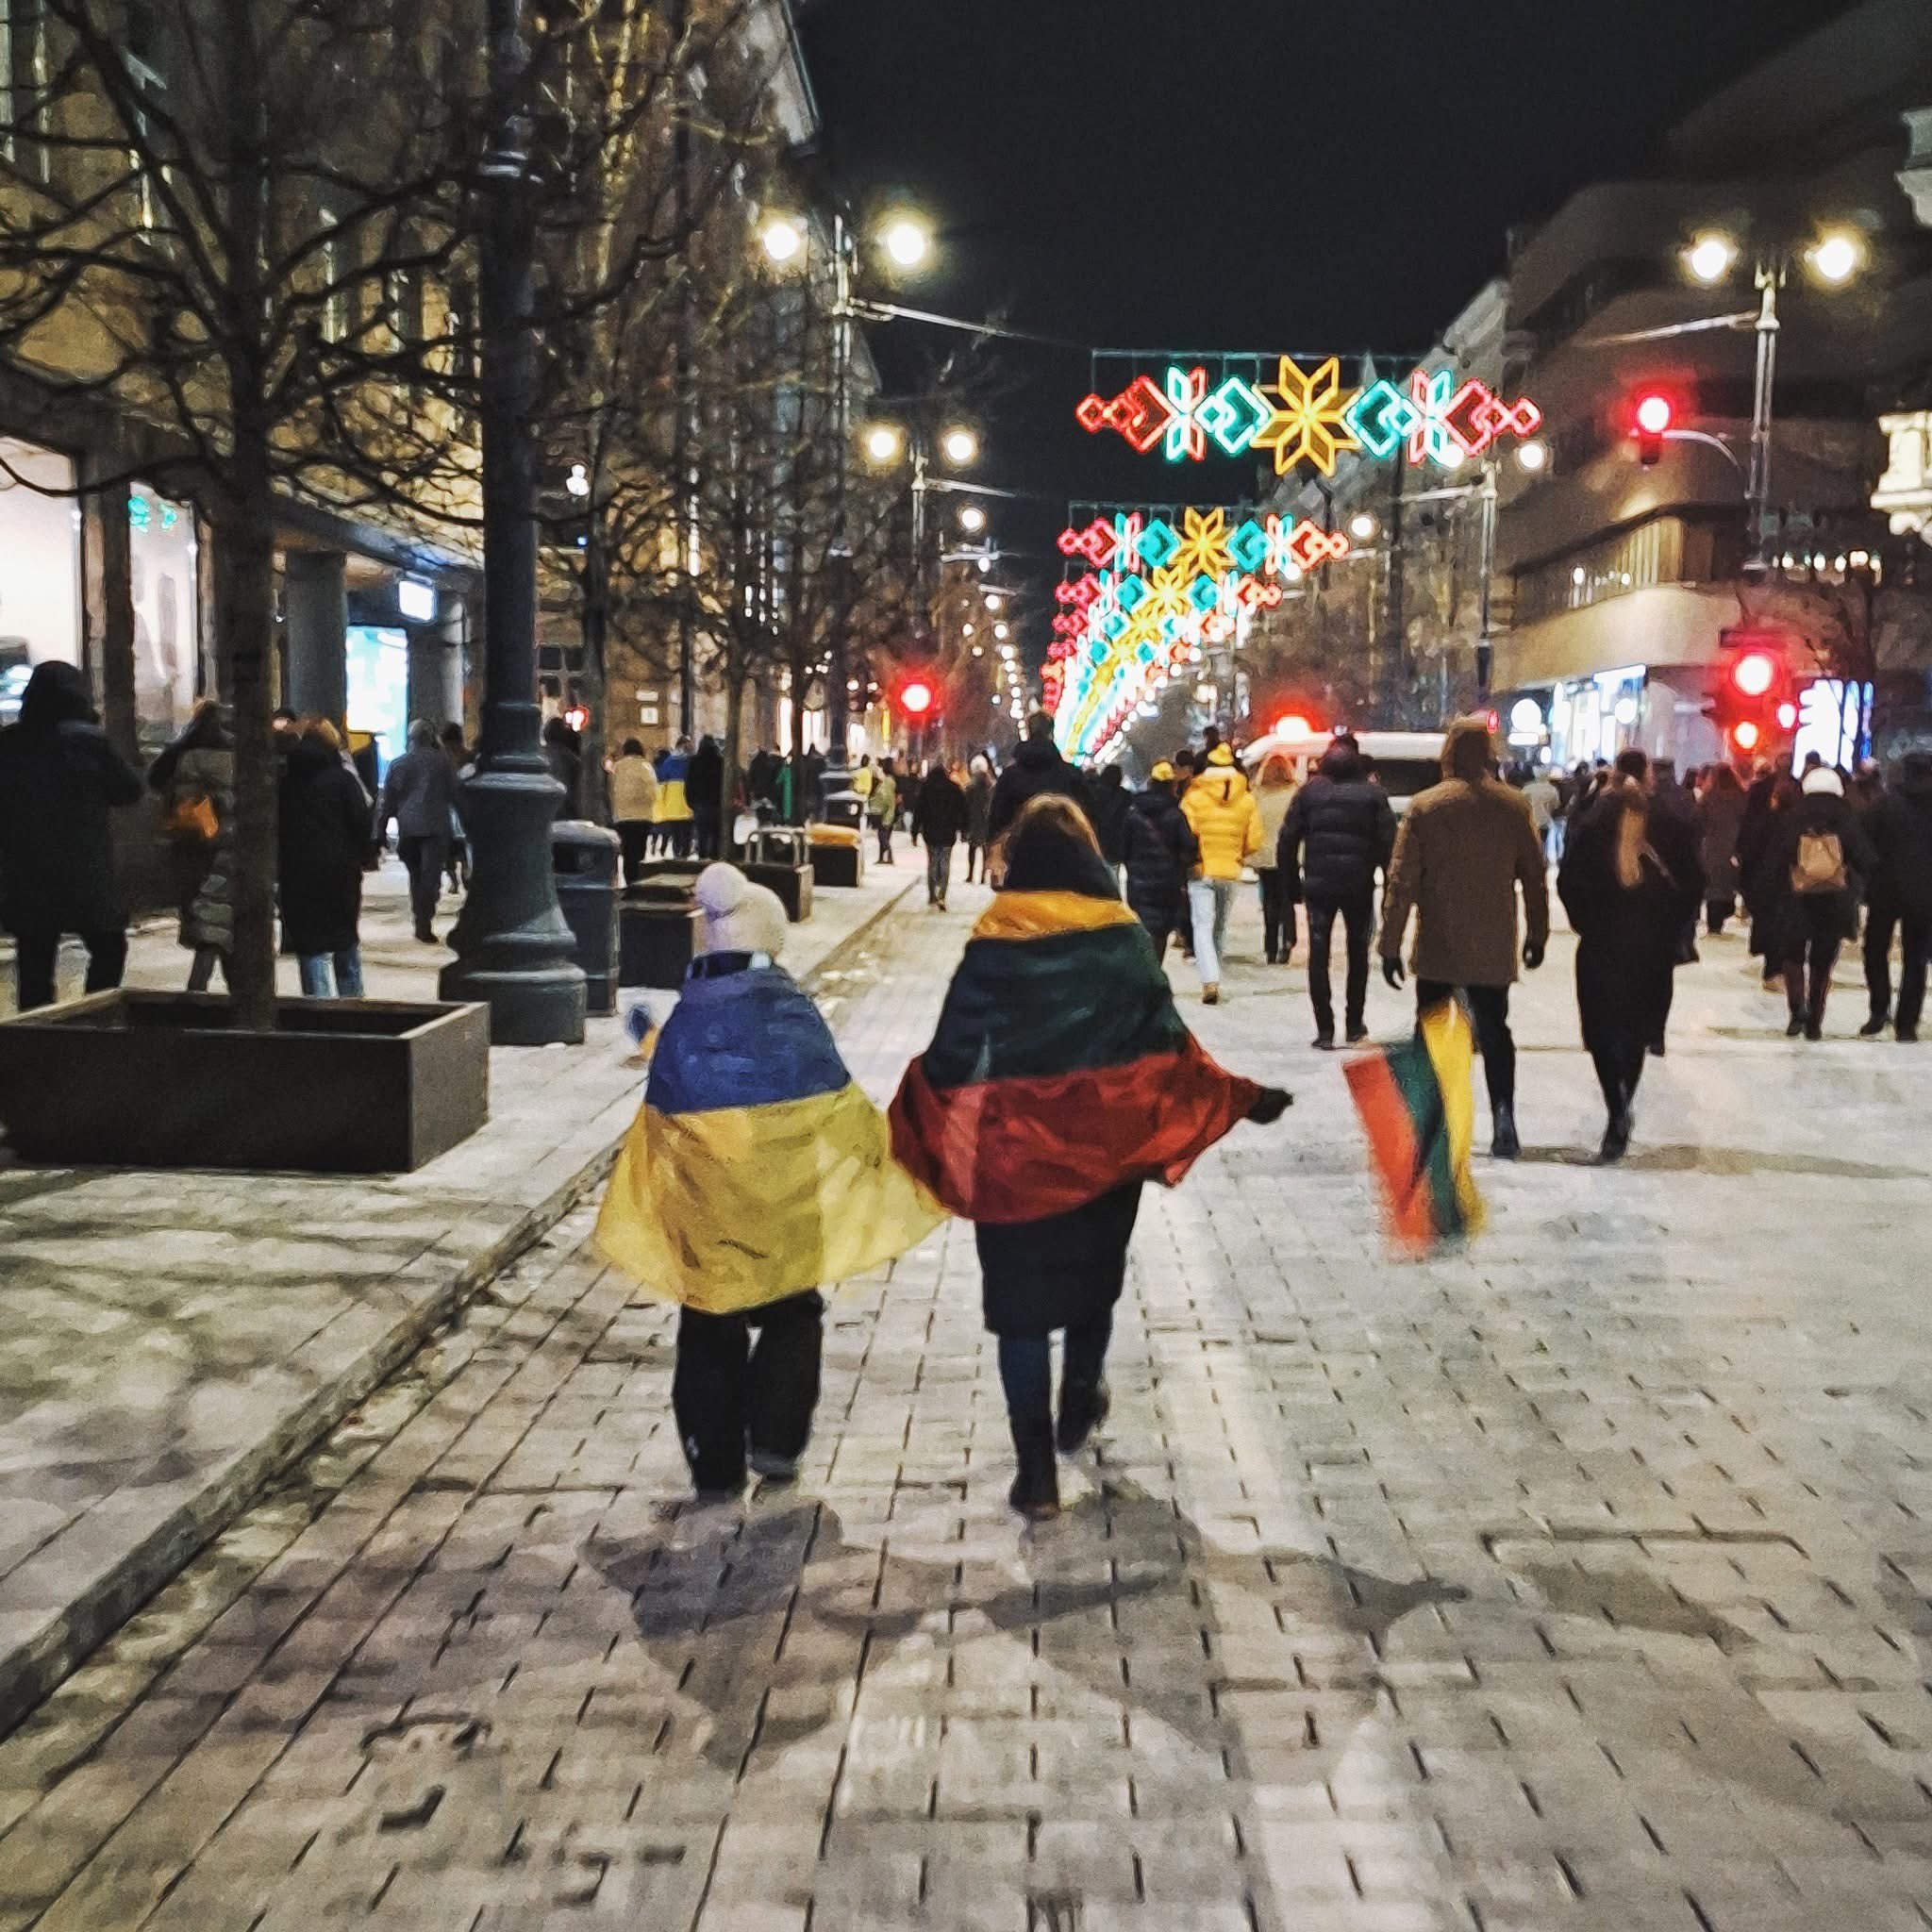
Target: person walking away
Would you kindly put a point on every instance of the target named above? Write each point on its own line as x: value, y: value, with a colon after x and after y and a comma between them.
x: 1773, y: 791
x: 1221, y: 811
x: 1866, y: 794
x: 322, y: 822
x: 1630, y: 872
x: 674, y: 815
x: 704, y: 787
x: 1109, y: 816
x: 978, y: 815
x: 633, y: 805
x: 1160, y: 855
x: 882, y: 807
x: 420, y: 795
x: 1060, y: 1081
x: 1901, y: 834
x: 565, y: 762
x: 1817, y: 866
x: 59, y: 778
x: 1465, y: 848
x: 457, y: 752
x: 1274, y: 791
x: 1719, y: 819
x: 1036, y: 768
x: 939, y: 821
x: 758, y: 1172
x: 1184, y: 770
x: 1338, y: 835
x: 195, y: 778
x: 1669, y: 799
x: 1545, y: 805
x: 863, y: 780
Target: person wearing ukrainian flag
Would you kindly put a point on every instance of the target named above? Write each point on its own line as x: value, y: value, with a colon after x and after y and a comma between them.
x: 758, y: 1170
x: 671, y: 815
x: 1061, y: 1078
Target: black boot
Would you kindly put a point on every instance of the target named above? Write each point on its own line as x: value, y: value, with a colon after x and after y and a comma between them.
x: 1616, y: 1138
x: 1084, y: 1407
x: 1036, y: 1492
x: 1505, y: 1145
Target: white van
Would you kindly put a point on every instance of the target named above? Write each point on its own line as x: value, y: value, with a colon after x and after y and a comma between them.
x: 1405, y: 761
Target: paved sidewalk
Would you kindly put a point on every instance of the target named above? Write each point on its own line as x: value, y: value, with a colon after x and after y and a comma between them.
x: 173, y: 1339
x: 1574, y: 1583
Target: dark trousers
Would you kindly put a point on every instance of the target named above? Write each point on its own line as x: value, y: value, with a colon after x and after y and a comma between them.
x: 1717, y: 908
x: 1880, y: 925
x: 705, y: 822
x: 938, y: 871
x: 1358, y: 924
x: 424, y: 859
x: 1489, y: 1013
x: 1619, y: 1059
x: 1026, y: 1373
x: 634, y: 838
x: 34, y: 957
x: 1277, y: 910
x: 885, y: 832
x: 725, y: 1391
x: 1814, y: 936
x: 1911, y: 985
x: 975, y: 857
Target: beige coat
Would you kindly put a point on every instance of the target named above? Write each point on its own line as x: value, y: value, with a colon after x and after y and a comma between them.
x: 633, y: 791
x: 1464, y: 847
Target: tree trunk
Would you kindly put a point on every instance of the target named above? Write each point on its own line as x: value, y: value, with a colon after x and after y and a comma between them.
x: 734, y: 732
x: 244, y: 632
x: 594, y: 684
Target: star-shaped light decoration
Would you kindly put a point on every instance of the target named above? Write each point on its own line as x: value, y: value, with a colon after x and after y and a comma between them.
x: 1204, y: 542
x: 1310, y: 425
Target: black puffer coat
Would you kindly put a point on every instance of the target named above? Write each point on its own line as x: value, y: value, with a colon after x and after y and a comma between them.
x: 1901, y: 834
x: 1108, y: 809
x: 59, y: 777
x: 322, y: 832
x: 1339, y: 832
x: 1789, y: 912
x: 1159, y: 849
x: 1036, y: 768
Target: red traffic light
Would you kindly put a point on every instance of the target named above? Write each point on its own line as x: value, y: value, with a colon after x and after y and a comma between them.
x: 1754, y: 674
x: 915, y: 699
x: 1745, y: 735
x: 1653, y: 413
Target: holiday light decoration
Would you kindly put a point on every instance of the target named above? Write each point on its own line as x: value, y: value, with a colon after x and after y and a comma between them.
x: 1307, y: 416
x: 1204, y: 542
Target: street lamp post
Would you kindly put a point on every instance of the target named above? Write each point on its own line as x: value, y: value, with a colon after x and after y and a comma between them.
x: 511, y: 943
x: 837, y: 777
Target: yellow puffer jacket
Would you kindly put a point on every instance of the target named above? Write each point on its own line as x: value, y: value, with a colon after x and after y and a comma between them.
x: 1221, y: 809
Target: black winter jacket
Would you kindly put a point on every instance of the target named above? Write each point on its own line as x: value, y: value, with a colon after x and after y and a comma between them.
x: 1108, y: 808
x: 939, y: 816
x: 1346, y: 823
x: 59, y: 777
x: 321, y: 831
x: 1901, y: 834
x: 1159, y: 849
x: 1036, y: 768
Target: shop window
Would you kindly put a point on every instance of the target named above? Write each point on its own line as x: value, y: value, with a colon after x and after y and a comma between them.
x: 40, y: 588
x: 167, y: 621
x: 24, y: 85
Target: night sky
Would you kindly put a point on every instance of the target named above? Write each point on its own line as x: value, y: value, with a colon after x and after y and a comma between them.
x: 1247, y: 174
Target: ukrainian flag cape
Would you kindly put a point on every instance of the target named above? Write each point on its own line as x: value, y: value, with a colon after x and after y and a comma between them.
x: 757, y: 1166
x: 1060, y: 1069
x: 1418, y: 1107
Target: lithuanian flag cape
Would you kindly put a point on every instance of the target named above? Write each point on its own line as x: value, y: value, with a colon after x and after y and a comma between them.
x: 756, y: 1167
x: 1418, y: 1105
x: 1060, y: 1069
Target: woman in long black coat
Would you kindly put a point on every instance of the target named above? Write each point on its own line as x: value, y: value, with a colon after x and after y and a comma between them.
x: 1630, y: 878
x: 321, y: 833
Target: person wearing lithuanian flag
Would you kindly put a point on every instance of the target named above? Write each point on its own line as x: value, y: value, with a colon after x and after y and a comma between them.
x: 758, y: 1170
x: 1060, y: 1079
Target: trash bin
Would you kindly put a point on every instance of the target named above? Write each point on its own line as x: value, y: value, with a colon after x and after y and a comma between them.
x: 584, y: 857
x: 778, y: 857
x: 657, y: 933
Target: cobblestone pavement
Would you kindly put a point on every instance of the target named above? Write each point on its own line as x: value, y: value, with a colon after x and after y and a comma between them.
x: 1574, y: 1583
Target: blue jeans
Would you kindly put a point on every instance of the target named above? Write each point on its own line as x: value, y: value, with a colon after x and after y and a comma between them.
x: 348, y: 965
x: 1026, y: 1368
x: 1211, y: 901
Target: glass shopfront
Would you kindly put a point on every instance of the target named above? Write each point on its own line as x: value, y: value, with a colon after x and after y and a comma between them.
x: 379, y: 687
x: 39, y: 566
x: 1597, y: 717
x: 167, y: 628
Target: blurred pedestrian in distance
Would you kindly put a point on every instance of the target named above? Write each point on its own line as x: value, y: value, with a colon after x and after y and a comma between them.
x: 1036, y: 768
x: 1107, y: 802
x: 322, y: 825
x: 756, y: 1172
x: 455, y: 749
x: 673, y: 817
x: 979, y: 816
x: 1774, y: 791
x: 1464, y: 849
x: 1274, y: 791
x: 195, y: 778
x: 1545, y: 806
x: 1630, y: 876
x: 882, y: 807
x: 633, y: 805
x: 939, y: 822
x: 1720, y: 820
x: 1339, y: 834
x: 59, y: 778
x: 1900, y: 835
x: 1220, y: 810
x: 560, y: 754
x: 421, y: 793
x: 1818, y: 864
x: 703, y: 789
x: 1059, y: 1080
x: 1161, y: 857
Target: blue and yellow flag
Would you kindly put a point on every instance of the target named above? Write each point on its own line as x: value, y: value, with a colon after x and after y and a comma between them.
x: 757, y: 1166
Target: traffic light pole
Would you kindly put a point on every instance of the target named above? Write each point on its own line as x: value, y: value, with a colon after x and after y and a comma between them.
x: 512, y: 946
x: 837, y: 777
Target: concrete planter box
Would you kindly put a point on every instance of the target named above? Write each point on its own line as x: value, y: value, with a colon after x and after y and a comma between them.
x: 838, y: 865
x: 166, y: 1080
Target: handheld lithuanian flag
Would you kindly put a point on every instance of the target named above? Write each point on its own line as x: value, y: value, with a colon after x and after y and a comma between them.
x: 756, y: 1167
x: 1417, y: 1103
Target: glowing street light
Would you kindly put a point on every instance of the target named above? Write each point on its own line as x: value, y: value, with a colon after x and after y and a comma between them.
x: 973, y: 520
x: 961, y: 447
x: 1362, y: 526
x: 1001, y: 632
x: 783, y: 239
x: 1710, y: 257
x: 907, y: 238
x: 1533, y: 456
x: 883, y: 444
x: 1836, y: 257
x: 994, y: 600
